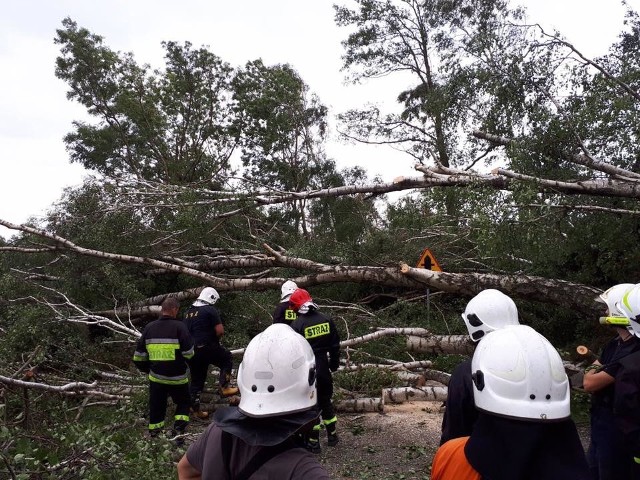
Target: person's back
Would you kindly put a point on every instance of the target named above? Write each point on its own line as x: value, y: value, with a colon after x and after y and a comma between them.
x: 524, y: 430
x: 489, y: 310
x: 201, y: 321
x: 283, y: 312
x: 320, y: 332
x: 223, y: 455
x: 261, y: 437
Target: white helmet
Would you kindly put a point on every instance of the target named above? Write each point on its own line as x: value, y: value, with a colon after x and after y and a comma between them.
x: 208, y: 296
x: 287, y: 289
x: 612, y: 296
x: 517, y: 373
x: 277, y: 375
x: 488, y: 311
x: 629, y: 305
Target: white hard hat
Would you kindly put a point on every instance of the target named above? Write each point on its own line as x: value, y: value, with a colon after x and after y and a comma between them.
x: 287, y: 289
x: 517, y: 373
x: 629, y: 306
x: 613, y: 296
x: 489, y: 310
x: 208, y: 296
x: 277, y: 375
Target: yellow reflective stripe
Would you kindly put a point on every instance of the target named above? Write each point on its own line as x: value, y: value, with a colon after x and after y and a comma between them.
x: 188, y: 353
x: 636, y: 459
x: 168, y: 382
x: 331, y: 420
x: 140, y: 358
x: 317, y: 330
x: 625, y: 300
x: 155, y: 426
x: 182, y: 417
x: 159, y: 352
x: 622, y: 321
x: 317, y: 427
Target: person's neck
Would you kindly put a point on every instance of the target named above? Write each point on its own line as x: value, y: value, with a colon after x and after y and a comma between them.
x: 625, y: 335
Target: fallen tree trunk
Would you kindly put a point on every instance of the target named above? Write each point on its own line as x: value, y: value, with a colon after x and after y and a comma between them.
x: 441, y: 344
x: 395, y: 366
x: 437, y: 375
x: 559, y: 292
x: 360, y: 405
x: 404, y: 394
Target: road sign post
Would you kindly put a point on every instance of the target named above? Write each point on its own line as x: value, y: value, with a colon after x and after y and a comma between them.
x: 428, y: 261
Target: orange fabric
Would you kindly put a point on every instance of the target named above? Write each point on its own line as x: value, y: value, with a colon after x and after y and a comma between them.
x: 450, y: 463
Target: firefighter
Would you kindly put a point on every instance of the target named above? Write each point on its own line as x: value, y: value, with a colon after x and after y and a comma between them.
x: 489, y: 310
x: 278, y: 403
x: 161, y: 352
x: 608, y: 455
x: 322, y: 335
x: 283, y: 312
x: 524, y: 430
x: 627, y: 385
x: 205, y: 326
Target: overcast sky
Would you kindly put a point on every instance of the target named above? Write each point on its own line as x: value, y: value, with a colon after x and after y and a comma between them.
x: 35, y: 114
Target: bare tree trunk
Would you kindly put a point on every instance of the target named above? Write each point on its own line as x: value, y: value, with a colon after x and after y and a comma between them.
x: 360, y: 405
x: 405, y: 394
x: 441, y: 344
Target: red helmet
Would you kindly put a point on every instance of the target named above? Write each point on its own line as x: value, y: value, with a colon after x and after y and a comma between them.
x: 299, y: 298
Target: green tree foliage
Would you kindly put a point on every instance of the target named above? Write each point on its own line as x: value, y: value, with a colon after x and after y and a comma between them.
x: 170, y: 126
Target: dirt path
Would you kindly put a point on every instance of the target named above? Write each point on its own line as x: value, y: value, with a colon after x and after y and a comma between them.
x: 397, y: 444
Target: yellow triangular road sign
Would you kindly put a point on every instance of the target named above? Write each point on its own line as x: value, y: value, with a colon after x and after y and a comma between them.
x: 428, y: 261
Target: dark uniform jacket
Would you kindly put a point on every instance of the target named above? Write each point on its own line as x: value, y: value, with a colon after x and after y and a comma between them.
x: 162, y: 349
x: 208, y: 456
x: 612, y: 353
x: 627, y: 401
x: 460, y: 414
x: 284, y: 313
x: 322, y: 335
x: 201, y: 323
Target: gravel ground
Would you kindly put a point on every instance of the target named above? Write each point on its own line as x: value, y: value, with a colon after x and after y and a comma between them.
x: 398, y: 444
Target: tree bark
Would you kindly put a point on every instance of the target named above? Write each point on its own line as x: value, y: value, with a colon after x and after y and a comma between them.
x: 360, y: 405
x: 441, y: 344
x: 401, y: 395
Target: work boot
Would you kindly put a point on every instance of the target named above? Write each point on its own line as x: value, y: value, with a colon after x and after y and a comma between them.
x: 199, y: 414
x: 332, y: 439
x: 177, y: 437
x: 313, y: 446
x: 313, y: 441
x: 228, y: 391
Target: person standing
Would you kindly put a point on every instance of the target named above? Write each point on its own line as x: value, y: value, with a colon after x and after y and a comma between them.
x: 489, y: 310
x: 608, y: 454
x: 205, y: 326
x: 524, y: 429
x: 283, y: 312
x: 322, y: 335
x: 161, y: 352
x: 278, y: 403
